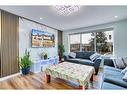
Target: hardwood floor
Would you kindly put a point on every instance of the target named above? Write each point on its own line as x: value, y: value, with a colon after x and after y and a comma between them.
x: 38, y: 81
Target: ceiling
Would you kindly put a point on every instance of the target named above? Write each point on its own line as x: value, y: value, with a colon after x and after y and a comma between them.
x: 87, y: 16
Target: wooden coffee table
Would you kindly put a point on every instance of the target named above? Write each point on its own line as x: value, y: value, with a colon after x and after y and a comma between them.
x: 72, y: 72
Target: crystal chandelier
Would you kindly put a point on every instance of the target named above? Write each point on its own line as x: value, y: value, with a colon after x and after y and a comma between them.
x: 66, y: 9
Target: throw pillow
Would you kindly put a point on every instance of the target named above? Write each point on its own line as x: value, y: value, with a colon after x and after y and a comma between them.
x: 94, y: 56
x: 125, y: 60
x: 124, y: 71
x: 72, y: 54
x: 118, y: 63
x: 125, y: 77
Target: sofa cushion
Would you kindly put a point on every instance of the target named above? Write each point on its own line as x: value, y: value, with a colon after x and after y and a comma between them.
x: 108, y: 69
x: 110, y: 86
x: 84, y: 54
x: 111, y: 72
x: 115, y: 78
x: 80, y: 54
x: 75, y: 60
x: 86, y: 62
x: 108, y: 62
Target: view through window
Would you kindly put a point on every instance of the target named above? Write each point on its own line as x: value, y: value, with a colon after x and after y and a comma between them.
x: 87, y: 44
x: 75, y: 42
x: 104, y: 42
x: 101, y: 42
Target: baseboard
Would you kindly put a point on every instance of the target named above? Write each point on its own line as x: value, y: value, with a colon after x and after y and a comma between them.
x: 10, y: 76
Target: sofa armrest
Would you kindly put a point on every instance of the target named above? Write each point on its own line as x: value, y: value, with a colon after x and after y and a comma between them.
x: 66, y: 57
x: 109, y: 62
x: 97, y: 64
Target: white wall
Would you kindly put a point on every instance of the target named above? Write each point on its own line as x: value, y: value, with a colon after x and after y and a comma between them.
x: 120, y: 39
x: 120, y: 36
x: 25, y: 27
x: 0, y: 24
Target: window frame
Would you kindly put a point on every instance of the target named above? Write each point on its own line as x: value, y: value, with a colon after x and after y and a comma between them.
x: 103, y: 30
x: 70, y: 41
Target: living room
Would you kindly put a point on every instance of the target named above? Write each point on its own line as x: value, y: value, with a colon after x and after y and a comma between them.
x: 79, y: 47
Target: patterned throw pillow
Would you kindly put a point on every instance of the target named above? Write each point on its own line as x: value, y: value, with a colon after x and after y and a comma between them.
x: 118, y: 63
x: 94, y: 56
x: 72, y: 54
x: 125, y: 77
x: 125, y: 60
x: 124, y: 71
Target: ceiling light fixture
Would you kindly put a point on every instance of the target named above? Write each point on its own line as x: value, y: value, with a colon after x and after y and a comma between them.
x: 116, y: 16
x: 66, y: 9
x: 40, y: 17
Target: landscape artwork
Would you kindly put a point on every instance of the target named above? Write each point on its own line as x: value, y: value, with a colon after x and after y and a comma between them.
x: 42, y: 39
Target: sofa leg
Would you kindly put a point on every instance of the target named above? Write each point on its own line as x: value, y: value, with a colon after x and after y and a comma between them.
x: 91, y: 79
x: 48, y: 78
x: 96, y: 72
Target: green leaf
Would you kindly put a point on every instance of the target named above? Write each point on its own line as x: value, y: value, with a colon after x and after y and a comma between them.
x: 25, y: 61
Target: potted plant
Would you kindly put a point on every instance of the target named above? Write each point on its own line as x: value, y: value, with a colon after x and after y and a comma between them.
x: 44, y: 55
x: 25, y: 63
x: 61, y: 51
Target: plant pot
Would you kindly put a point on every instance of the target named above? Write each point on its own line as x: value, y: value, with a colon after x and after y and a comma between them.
x: 25, y: 71
x: 45, y: 57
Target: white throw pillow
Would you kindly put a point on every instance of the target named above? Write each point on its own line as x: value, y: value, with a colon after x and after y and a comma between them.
x: 94, y: 56
x: 118, y: 63
x: 124, y: 71
x: 125, y: 77
x: 72, y: 54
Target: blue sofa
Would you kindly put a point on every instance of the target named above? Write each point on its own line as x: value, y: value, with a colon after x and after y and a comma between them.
x: 83, y: 58
x: 112, y: 77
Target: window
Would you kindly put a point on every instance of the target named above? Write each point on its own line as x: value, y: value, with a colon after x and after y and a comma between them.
x: 104, y: 42
x: 75, y: 42
x: 101, y: 42
x: 88, y: 42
